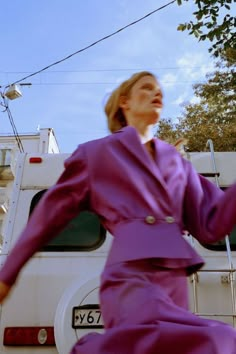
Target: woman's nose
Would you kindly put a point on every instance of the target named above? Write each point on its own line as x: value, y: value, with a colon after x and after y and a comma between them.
x: 158, y: 93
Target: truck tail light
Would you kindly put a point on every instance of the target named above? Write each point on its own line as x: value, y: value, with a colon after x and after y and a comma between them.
x: 35, y: 159
x: 23, y: 336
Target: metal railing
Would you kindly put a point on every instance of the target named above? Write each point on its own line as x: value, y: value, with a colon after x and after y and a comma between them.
x: 230, y: 271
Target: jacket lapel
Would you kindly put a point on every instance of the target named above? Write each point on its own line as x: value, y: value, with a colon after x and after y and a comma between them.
x: 167, y: 162
x: 129, y: 138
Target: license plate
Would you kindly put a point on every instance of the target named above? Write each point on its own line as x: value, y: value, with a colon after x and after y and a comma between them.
x: 87, y: 316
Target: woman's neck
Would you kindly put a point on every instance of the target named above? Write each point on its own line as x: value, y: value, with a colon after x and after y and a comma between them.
x: 145, y: 132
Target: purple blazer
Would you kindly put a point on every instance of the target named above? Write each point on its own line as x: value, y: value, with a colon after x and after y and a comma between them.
x: 145, y: 204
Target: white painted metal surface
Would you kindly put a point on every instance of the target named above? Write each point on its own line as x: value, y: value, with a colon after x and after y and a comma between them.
x: 52, y: 283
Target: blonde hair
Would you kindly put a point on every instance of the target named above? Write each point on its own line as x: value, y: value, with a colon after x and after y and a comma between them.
x: 115, y: 116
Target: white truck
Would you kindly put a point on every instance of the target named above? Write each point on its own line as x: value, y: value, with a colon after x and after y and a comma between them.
x: 55, y: 301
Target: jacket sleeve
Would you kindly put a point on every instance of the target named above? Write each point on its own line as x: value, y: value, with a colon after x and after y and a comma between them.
x: 58, y: 206
x: 209, y: 213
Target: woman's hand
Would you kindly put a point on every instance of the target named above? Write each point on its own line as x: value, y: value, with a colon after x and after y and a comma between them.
x: 4, y: 290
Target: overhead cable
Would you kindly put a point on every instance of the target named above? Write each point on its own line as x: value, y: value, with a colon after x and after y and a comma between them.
x: 103, y: 70
x: 94, y: 43
x: 15, y: 132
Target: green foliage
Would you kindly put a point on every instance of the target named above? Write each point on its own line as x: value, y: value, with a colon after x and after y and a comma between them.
x: 213, y: 117
x: 167, y: 130
x: 213, y: 21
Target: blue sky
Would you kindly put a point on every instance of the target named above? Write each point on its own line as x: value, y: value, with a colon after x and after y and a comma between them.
x: 70, y: 96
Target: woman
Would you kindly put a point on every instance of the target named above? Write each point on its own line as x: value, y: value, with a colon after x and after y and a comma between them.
x: 144, y: 193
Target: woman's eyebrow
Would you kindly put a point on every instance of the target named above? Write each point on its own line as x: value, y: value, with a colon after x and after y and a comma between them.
x: 147, y: 84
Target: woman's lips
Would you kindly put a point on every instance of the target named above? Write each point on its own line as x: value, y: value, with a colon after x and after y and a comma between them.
x: 157, y: 103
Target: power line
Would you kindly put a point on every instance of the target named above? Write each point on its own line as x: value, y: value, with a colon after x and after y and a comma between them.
x: 96, y: 42
x: 15, y: 132
x: 105, y: 83
x: 110, y: 70
x: 163, y: 82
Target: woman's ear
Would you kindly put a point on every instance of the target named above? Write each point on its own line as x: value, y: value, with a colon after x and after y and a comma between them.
x: 123, y: 102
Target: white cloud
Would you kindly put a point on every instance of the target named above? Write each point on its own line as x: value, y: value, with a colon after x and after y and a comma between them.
x: 169, y: 80
x: 180, y: 99
x: 194, y: 100
x: 194, y: 66
x: 185, y: 97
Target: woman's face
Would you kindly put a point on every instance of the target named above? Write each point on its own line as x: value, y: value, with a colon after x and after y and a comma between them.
x: 144, y: 101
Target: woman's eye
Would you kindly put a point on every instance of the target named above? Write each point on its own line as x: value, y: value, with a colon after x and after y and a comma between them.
x: 147, y: 87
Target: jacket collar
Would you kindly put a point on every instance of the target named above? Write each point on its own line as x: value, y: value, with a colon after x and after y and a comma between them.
x: 131, y: 141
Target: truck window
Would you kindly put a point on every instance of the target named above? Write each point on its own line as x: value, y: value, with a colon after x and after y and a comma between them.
x: 83, y: 233
x: 221, y: 245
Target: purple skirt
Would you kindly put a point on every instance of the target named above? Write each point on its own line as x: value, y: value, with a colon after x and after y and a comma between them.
x: 145, y: 311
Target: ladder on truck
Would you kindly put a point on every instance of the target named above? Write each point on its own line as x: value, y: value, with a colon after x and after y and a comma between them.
x: 230, y: 270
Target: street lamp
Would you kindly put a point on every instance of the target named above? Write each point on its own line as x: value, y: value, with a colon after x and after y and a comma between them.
x: 13, y: 91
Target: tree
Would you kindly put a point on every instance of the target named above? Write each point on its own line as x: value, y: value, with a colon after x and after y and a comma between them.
x: 212, y: 117
x: 167, y: 131
x: 200, y: 124
x: 213, y: 21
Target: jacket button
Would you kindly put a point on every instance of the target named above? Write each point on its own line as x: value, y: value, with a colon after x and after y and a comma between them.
x: 150, y: 219
x: 170, y: 219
